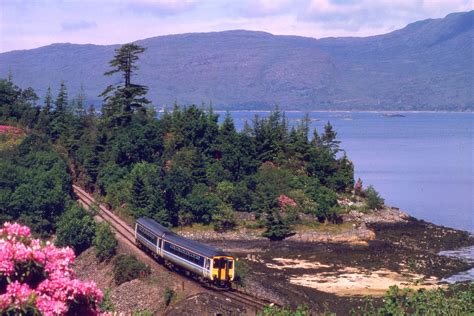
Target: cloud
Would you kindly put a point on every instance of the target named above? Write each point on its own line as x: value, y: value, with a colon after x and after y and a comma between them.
x: 356, y: 14
x: 161, y: 7
x: 72, y: 26
x: 33, y: 23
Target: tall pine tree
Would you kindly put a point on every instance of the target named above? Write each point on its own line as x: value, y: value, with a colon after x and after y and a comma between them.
x: 122, y: 100
x: 59, y: 121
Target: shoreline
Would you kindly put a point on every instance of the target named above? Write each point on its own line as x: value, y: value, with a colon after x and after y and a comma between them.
x: 315, y: 273
x: 347, y: 111
x: 358, y: 228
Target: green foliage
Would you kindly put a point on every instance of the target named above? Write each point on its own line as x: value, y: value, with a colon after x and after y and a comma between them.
x: 168, y: 295
x: 109, y: 174
x: 268, y: 184
x: 328, y: 139
x: 179, y: 168
x: 35, y: 186
x: 374, y: 200
x: 76, y: 228
x: 326, y: 204
x: 60, y: 113
x: 122, y: 100
x: 104, y: 242
x: 241, y: 273
x: 456, y: 300
x: 106, y: 305
x: 276, y: 227
x: 199, y: 206
x: 128, y: 267
x: 224, y: 219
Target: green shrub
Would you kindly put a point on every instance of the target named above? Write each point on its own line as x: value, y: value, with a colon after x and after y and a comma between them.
x: 104, y: 242
x: 76, y: 228
x: 456, y: 300
x: 277, y: 228
x: 127, y: 268
x: 374, y: 200
x: 106, y: 305
x: 168, y: 295
x: 225, y: 218
x: 241, y: 273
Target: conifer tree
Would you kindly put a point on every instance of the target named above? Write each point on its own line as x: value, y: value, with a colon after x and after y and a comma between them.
x: 44, y: 120
x: 122, y: 100
x: 328, y: 139
x: 58, y: 122
x: 140, y: 199
x: 276, y: 227
x: 79, y: 105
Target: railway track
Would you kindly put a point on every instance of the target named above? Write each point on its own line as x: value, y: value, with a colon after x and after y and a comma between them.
x: 252, y: 304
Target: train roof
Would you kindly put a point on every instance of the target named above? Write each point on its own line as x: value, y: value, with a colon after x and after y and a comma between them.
x: 153, y: 226
x: 193, y: 245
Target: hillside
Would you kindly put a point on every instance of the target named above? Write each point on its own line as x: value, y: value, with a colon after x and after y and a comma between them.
x: 427, y: 65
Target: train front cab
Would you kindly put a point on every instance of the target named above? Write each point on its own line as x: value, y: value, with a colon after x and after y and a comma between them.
x: 223, y: 268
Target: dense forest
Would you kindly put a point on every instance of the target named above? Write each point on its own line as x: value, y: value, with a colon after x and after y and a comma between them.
x: 179, y: 167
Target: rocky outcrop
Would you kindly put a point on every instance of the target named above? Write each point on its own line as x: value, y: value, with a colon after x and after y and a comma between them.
x: 359, y: 233
x: 385, y: 215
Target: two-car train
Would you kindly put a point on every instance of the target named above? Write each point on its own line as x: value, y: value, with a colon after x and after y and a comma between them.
x: 206, y: 262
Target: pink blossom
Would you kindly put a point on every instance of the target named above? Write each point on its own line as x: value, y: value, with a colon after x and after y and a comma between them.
x: 49, y: 307
x: 15, y: 230
x: 17, y: 294
x: 285, y: 201
x: 55, y: 294
x: 6, y: 258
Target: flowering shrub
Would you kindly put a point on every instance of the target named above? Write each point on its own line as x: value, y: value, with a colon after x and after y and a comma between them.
x: 37, y: 277
x: 285, y: 201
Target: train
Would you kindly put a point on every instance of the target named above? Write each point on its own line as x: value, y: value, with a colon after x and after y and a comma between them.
x: 207, y: 263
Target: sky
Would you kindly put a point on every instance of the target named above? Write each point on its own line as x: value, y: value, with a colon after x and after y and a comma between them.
x: 26, y: 24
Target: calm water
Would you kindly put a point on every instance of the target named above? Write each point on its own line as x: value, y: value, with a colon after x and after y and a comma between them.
x: 422, y: 163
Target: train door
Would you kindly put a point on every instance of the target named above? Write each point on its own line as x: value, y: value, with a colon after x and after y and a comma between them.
x: 207, y: 268
x: 223, y: 265
x: 160, y: 253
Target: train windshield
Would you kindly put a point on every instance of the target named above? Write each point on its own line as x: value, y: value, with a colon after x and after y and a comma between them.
x: 223, y: 263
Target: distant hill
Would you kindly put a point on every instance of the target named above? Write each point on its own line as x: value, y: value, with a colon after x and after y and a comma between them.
x: 428, y: 65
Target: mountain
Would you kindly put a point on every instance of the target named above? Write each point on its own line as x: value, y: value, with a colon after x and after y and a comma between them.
x: 428, y: 65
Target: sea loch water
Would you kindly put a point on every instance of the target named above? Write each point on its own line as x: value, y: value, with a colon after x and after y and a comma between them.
x: 421, y: 163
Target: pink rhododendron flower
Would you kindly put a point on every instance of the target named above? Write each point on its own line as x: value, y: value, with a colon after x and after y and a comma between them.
x: 15, y: 230
x: 49, y: 307
x: 285, y: 201
x: 17, y: 294
x: 57, y: 290
x: 6, y: 258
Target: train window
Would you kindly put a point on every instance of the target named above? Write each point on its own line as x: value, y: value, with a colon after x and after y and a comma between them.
x: 184, y: 253
x: 230, y: 264
x: 147, y: 235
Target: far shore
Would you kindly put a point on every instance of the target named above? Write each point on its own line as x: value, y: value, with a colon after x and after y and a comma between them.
x: 345, y: 111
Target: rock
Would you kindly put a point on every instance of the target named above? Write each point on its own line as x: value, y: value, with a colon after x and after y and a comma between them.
x: 384, y: 215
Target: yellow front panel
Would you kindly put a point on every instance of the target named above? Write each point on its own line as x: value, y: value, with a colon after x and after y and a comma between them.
x: 215, y: 270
